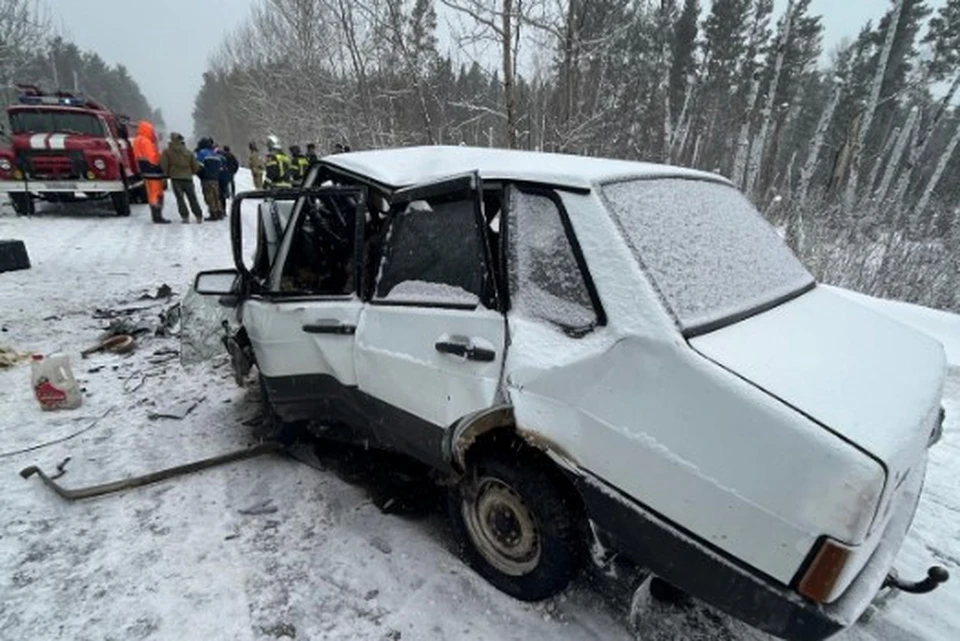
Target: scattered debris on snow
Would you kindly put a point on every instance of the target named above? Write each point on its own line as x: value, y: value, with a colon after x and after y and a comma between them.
x: 10, y: 357
x: 263, y: 507
x: 381, y: 544
x: 163, y: 292
x: 118, y: 344
x: 177, y: 411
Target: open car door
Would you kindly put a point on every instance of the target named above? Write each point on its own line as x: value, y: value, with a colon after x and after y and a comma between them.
x: 430, y: 343
x: 272, y: 220
x: 301, y: 314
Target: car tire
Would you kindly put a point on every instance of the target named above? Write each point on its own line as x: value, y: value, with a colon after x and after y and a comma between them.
x: 517, y: 526
x: 121, y: 202
x: 22, y: 204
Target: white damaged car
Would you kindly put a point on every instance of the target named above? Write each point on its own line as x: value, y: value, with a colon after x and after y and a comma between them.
x: 596, y: 351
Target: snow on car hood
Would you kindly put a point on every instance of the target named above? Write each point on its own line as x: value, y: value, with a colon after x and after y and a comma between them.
x: 871, y: 380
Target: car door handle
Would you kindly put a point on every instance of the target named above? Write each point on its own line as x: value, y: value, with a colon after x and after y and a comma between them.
x: 465, y: 349
x: 329, y: 326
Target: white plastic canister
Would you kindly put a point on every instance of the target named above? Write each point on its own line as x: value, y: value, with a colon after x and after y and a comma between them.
x: 53, y: 382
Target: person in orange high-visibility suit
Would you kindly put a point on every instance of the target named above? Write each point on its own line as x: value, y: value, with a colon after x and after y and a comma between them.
x: 148, y: 161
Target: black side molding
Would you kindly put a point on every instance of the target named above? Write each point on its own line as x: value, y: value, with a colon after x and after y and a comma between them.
x: 707, y: 574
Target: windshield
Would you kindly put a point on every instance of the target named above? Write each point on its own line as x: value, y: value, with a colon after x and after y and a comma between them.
x: 710, y: 253
x: 55, y: 121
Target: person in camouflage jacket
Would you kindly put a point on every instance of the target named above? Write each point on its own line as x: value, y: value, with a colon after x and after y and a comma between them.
x: 180, y: 166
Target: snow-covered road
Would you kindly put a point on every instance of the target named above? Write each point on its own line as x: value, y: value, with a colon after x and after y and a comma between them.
x: 268, y: 548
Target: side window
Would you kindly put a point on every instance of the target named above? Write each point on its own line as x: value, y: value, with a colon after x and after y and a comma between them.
x: 321, y: 257
x: 545, y: 280
x: 433, y: 255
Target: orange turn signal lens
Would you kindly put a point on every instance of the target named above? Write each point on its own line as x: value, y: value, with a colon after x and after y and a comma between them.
x: 818, y: 581
x: 91, y: 175
x: 17, y: 174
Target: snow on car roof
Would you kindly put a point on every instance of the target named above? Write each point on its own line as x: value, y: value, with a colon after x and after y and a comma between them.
x: 404, y: 166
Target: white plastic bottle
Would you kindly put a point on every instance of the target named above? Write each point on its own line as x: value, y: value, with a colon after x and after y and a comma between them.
x: 53, y: 382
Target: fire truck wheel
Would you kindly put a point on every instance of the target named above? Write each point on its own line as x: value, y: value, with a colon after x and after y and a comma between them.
x: 22, y: 204
x: 138, y: 195
x: 121, y: 202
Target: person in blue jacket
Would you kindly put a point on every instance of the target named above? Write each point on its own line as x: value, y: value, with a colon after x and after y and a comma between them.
x: 211, y: 165
x: 223, y: 178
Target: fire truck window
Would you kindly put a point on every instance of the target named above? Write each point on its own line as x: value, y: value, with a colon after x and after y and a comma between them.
x: 42, y: 122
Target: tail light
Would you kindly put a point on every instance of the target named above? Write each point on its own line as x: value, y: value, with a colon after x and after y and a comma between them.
x: 821, y: 575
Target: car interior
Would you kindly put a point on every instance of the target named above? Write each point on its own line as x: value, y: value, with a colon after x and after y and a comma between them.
x: 322, y: 260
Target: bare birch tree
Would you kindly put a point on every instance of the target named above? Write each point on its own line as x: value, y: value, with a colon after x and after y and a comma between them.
x: 760, y: 143
x: 944, y: 65
x: 758, y: 35
x: 853, y: 180
x: 942, y: 163
x: 24, y: 27
x: 665, y: 34
x: 893, y: 162
x: 502, y: 26
x: 813, y: 156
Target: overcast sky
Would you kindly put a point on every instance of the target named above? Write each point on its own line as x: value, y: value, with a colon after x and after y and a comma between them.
x: 166, y: 44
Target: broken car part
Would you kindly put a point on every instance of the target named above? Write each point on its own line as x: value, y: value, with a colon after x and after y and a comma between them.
x: 75, y: 494
x: 121, y: 344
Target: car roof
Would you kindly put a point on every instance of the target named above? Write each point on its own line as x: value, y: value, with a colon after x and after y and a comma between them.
x: 405, y: 166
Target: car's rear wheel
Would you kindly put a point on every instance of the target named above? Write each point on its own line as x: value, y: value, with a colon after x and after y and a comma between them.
x: 517, y: 525
x: 22, y: 204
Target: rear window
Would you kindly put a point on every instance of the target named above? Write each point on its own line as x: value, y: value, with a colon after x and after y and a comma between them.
x: 61, y: 122
x: 709, y: 252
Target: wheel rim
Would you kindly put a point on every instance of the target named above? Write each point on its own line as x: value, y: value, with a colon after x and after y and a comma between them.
x: 501, y: 526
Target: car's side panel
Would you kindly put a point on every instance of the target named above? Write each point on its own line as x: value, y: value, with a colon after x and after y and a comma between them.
x: 678, y: 434
x: 704, y: 449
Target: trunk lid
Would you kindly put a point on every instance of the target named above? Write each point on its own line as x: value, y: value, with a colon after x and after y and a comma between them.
x: 872, y: 381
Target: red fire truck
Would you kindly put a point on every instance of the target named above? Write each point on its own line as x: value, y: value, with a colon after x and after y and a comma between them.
x: 63, y: 147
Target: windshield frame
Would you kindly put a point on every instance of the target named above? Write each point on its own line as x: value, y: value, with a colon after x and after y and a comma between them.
x: 692, y: 330
x: 54, y: 115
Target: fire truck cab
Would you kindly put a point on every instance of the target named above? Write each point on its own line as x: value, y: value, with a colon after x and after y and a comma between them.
x: 64, y: 146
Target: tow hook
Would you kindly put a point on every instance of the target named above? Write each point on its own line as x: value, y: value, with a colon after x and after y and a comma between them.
x: 935, y: 576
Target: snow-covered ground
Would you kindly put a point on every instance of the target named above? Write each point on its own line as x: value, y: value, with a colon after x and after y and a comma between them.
x: 271, y: 548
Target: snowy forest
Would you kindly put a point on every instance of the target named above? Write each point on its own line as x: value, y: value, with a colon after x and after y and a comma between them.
x: 850, y: 152
x: 32, y: 52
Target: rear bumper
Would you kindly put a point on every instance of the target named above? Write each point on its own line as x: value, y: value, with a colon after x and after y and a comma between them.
x: 740, y: 591
x: 68, y: 186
